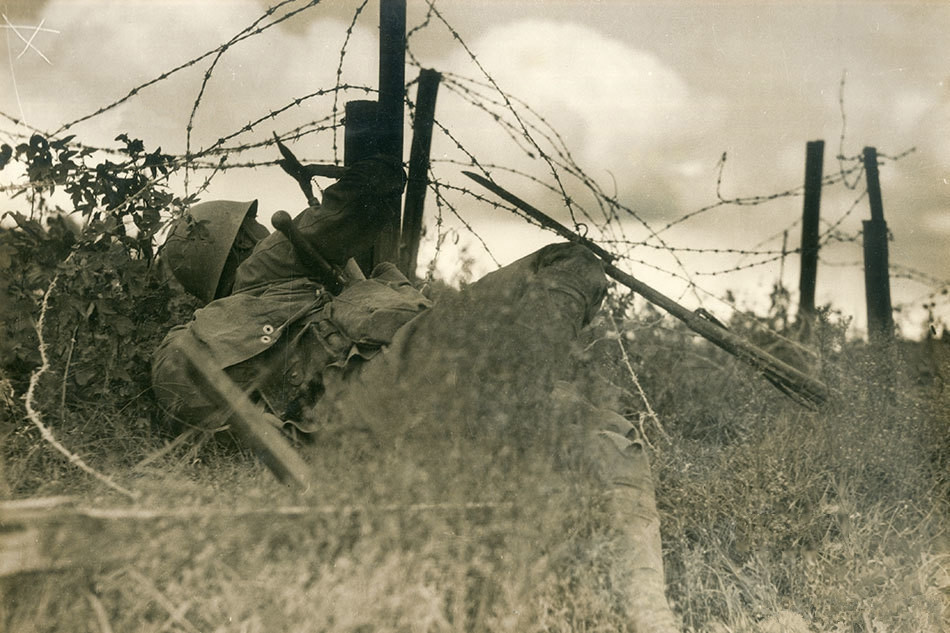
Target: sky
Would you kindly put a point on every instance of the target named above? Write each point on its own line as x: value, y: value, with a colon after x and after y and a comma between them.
x: 647, y: 97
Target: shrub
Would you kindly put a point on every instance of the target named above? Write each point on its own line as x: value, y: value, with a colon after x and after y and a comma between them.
x: 88, y: 248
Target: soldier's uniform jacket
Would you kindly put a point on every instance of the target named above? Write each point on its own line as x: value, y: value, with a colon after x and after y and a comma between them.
x: 276, y: 340
x: 280, y: 329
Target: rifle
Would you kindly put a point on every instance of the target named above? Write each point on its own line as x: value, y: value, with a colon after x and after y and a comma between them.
x: 333, y: 277
x: 329, y: 275
x: 802, y: 388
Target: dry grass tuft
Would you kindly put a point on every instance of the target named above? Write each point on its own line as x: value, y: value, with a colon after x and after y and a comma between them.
x: 773, y: 518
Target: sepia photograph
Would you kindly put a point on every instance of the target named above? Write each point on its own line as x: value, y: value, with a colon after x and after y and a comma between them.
x: 475, y: 316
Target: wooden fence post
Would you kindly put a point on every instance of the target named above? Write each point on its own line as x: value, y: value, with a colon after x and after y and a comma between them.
x: 361, y: 140
x: 426, y: 95
x: 391, y: 113
x: 360, y: 137
x: 376, y: 127
x: 876, y: 282
x: 811, y: 211
x: 392, y: 75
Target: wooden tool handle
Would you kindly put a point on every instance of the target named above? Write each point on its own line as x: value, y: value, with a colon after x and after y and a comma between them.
x: 328, y: 274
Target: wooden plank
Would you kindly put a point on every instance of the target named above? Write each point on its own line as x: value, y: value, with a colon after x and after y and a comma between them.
x: 418, y: 171
x: 248, y: 422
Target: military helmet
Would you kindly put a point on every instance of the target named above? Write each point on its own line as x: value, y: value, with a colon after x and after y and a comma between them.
x: 201, y: 241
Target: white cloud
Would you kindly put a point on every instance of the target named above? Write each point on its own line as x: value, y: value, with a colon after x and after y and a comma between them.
x: 107, y: 47
x: 614, y: 99
x: 909, y: 107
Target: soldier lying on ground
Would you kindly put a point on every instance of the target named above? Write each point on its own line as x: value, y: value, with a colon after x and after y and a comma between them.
x: 306, y: 355
x: 379, y: 356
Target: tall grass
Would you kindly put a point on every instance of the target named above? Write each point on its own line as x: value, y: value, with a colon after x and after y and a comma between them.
x: 773, y: 518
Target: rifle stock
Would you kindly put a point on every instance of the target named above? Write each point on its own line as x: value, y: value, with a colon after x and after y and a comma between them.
x: 799, y: 386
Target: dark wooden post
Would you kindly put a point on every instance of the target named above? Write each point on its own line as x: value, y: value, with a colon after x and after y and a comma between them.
x: 811, y: 212
x: 426, y: 95
x: 360, y: 136
x: 392, y: 75
x: 877, y: 286
x: 391, y: 113
x: 361, y: 140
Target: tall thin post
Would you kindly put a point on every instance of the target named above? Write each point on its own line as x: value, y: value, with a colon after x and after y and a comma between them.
x: 418, y: 170
x: 390, y: 117
x: 392, y: 75
x: 360, y: 136
x: 361, y: 140
x: 811, y: 212
x: 877, y: 286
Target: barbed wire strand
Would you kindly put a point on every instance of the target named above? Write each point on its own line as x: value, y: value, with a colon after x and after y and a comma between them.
x: 456, y: 84
x: 840, y: 157
x: 412, y: 60
x: 829, y: 234
x: 165, y: 75
x: 440, y: 235
x: 177, y: 162
x: 572, y: 168
x: 754, y: 249
x: 339, y: 75
x: 651, y: 413
x: 288, y: 136
x: 207, y: 75
x: 273, y: 114
x: 747, y: 200
x: 45, y: 134
x: 451, y: 207
x: 468, y: 51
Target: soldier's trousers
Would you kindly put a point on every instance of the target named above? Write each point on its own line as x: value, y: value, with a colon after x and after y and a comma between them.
x: 485, y: 367
x: 486, y: 362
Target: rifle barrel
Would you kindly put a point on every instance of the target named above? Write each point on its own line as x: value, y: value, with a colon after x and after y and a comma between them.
x: 799, y: 386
